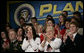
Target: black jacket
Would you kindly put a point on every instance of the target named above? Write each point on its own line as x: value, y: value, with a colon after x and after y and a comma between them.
x: 75, y: 46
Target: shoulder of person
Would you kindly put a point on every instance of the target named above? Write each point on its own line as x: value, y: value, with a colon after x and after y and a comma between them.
x: 37, y: 38
x: 24, y: 39
x: 57, y: 39
x: 79, y: 36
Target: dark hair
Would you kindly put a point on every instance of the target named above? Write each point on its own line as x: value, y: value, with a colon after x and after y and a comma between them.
x: 77, y: 13
x: 52, y: 20
x: 64, y: 18
x: 49, y: 16
x: 66, y: 12
x: 34, y: 18
x: 33, y: 30
x: 63, y: 15
x: 75, y: 23
x: 68, y: 20
x: 8, y: 25
x: 75, y: 19
x: 5, y: 33
x: 22, y: 19
x: 23, y: 32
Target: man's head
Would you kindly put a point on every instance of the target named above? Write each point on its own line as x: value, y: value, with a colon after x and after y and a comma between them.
x: 49, y: 17
x: 22, y: 21
x: 77, y: 14
x: 74, y: 27
x: 33, y: 20
x: 12, y: 34
x: 65, y: 13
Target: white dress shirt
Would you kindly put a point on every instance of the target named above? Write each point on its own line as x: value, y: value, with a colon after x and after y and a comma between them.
x: 31, y: 46
x: 55, y: 45
x: 74, y: 35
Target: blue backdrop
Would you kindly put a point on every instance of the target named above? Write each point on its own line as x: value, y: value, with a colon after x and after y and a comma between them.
x: 37, y: 5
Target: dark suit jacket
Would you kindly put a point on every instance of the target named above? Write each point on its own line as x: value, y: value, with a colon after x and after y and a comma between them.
x: 75, y: 46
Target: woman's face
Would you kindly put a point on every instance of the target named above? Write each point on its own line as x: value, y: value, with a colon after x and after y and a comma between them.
x: 29, y: 31
x: 40, y: 29
x: 20, y: 31
x: 67, y: 24
x: 50, y: 31
x: 61, y: 18
x: 49, y: 23
x: 3, y: 35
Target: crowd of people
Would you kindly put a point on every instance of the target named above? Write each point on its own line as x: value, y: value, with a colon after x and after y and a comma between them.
x: 66, y: 36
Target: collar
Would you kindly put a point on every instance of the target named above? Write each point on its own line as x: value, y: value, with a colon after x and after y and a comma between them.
x: 39, y: 34
x: 74, y: 35
x: 13, y: 41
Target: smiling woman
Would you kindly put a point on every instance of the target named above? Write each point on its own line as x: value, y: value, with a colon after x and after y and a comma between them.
x: 50, y: 43
x: 32, y: 40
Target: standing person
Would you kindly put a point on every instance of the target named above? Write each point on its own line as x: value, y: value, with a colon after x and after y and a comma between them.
x: 77, y: 15
x: 50, y: 44
x: 4, y: 42
x: 34, y: 23
x: 73, y: 41
x: 80, y: 30
x: 40, y: 32
x: 49, y: 17
x: 62, y: 19
x: 20, y: 34
x: 20, y: 37
x: 60, y: 28
x: 22, y: 21
x: 65, y: 13
x: 66, y: 30
x: 32, y: 40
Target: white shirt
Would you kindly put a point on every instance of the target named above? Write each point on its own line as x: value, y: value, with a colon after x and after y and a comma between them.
x: 55, y: 45
x: 74, y: 35
x: 31, y: 46
x: 39, y: 34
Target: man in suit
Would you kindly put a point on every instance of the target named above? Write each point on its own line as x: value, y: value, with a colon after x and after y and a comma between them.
x: 73, y: 41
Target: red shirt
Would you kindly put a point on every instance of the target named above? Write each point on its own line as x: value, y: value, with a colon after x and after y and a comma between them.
x: 41, y: 37
x: 62, y: 32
